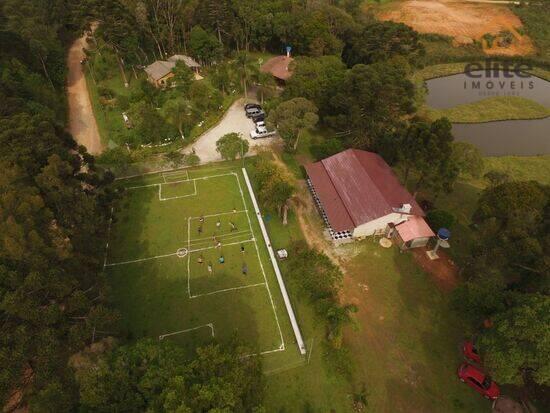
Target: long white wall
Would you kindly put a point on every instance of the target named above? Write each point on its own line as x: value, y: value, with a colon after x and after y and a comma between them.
x: 381, y: 223
x: 288, y: 305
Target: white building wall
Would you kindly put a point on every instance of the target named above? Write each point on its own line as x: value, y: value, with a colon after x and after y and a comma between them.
x: 381, y: 223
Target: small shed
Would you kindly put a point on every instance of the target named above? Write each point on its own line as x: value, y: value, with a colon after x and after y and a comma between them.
x: 188, y: 60
x: 279, y: 68
x: 412, y: 233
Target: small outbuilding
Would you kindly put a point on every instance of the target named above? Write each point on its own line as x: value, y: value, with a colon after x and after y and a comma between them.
x: 279, y: 68
x: 358, y: 195
x: 412, y: 233
x: 188, y: 60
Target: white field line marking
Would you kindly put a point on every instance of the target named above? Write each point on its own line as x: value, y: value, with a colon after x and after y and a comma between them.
x: 280, y: 348
x: 204, y: 245
x: 121, y: 178
x: 175, y: 174
x: 261, y: 264
x: 188, y: 257
x: 156, y: 257
x: 221, y: 236
x: 221, y: 213
x: 280, y: 280
x: 179, y: 196
x: 242, y: 287
x: 182, y: 180
x: 108, y: 238
x: 223, y: 245
x: 210, y: 325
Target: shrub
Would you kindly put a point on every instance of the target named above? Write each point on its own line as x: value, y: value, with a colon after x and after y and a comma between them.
x: 191, y: 159
x: 439, y: 218
x: 326, y: 148
x: 105, y: 92
x: 123, y: 102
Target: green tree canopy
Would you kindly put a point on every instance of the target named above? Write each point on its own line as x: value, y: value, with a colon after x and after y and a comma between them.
x: 292, y: 117
x: 204, y: 46
x: 518, y: 344
x: 371, y: 101
x: 231, y: 146
x: 275, y: 187
x: 157, y: 377
x: 379, y: 41
x: 512, y: 220
x: 316, y: 79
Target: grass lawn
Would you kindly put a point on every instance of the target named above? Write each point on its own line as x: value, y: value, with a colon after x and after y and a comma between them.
x: 492, y: 109
x: 522, y: 168
x: 161, y: 288
x: 406, y: 346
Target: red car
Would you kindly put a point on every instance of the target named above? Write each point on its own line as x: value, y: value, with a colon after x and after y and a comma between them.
x: 479, y: 381
x: 470, y: 351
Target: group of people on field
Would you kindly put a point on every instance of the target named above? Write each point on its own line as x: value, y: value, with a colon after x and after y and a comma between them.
x: 218, y: 244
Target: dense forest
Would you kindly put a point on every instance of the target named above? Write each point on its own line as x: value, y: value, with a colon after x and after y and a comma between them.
x: 350, y: 76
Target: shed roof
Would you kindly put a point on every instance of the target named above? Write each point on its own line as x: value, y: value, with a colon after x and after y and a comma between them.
x: 278, y: 67
x: 159, y: 69
x: 356, y: 187
x: 188, y: 60
x: 415, y: 227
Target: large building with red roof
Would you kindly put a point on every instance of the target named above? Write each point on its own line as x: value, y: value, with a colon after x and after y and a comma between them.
x: 359, y: 195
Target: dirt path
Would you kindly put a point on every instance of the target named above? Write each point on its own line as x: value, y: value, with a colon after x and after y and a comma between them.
x: 82, y: 122
x: 304, y: 208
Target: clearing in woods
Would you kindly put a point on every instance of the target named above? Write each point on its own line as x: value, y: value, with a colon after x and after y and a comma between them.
x: 162, y: 261
x: 464, y: 21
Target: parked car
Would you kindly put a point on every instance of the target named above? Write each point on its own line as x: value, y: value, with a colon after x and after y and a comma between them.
x: 261, y: 132
x: 479, y: 381
x: 251, y: 106
x: 469, y: 349
x: 252, y: 111
x: 258, y: 117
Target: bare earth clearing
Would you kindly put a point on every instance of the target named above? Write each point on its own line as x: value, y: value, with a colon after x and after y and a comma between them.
x: 82, y: 123
x: 463, y: 21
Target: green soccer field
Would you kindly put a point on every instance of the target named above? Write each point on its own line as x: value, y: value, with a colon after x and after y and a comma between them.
x: 165, y: 268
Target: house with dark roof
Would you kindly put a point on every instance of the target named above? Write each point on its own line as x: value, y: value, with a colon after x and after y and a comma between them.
x: 359, y: 195
x: 160, y: 72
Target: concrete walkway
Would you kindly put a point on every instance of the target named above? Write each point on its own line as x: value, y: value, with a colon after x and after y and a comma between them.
x: 234, y: 120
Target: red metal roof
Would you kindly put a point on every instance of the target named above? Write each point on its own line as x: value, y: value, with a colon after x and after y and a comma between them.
x: 356, y: 187
x: 414, y: 227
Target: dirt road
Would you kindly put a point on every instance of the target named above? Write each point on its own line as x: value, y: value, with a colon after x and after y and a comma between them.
x: 82, y: 123
x: 234, y: 120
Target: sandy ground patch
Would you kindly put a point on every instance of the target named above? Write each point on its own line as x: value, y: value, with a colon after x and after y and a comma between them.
x: 82, y: 123
x: 234, y: 120
x: 460, y: 20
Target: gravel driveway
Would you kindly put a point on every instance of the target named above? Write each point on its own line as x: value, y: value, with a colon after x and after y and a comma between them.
x: 234, y: 120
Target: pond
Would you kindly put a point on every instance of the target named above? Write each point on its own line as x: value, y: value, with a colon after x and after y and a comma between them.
x: 510, y: 137
x: 514, y: 137
x: 449, y: 91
